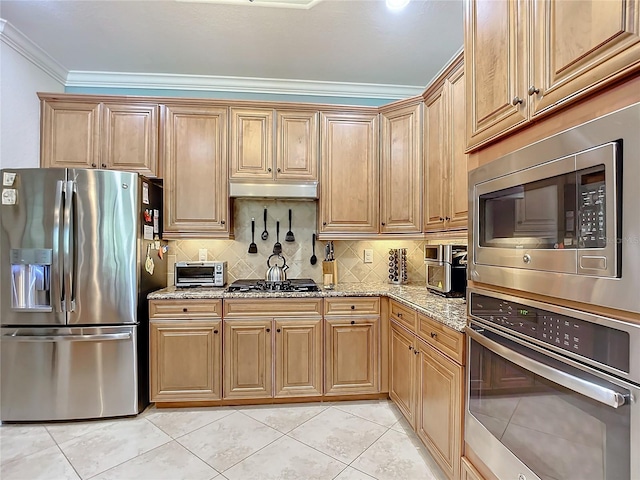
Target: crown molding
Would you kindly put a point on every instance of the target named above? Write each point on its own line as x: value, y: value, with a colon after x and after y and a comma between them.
x: 238, y: 84
x: 17, y: 40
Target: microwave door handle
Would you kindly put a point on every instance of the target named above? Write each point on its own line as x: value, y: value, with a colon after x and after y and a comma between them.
x: 56, y: 265
x: 596, y: 392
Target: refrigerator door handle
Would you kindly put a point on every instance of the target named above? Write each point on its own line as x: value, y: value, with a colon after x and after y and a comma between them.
x: 56, y: 266
x: 67, y: 247
x: 67, y: 338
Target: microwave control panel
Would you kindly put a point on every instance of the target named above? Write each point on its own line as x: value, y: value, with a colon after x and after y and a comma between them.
x: 592, y: 194
x: 589, y: 340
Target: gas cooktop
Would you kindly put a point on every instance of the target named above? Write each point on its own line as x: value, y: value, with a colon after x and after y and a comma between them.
x: 257, y: 285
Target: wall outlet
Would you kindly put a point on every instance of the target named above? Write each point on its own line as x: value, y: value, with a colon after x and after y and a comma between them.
x: 368, y: 255
x: 202, y: 255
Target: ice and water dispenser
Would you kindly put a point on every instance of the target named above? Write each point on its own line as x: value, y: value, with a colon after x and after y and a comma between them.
x: 31, y: 278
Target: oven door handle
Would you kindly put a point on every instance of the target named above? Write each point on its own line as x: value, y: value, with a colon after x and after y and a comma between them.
x: 596, y: 392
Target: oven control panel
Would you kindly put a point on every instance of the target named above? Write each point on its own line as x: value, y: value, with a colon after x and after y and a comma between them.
x: 586, y: 339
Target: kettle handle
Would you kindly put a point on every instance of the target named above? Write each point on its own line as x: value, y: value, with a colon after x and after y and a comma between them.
x: 284, y: 261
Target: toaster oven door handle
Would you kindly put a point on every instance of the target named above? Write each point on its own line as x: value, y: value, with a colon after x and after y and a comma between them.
x: 596, y: 392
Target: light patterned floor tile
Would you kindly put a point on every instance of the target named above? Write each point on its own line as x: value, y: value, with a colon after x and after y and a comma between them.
x: 180, y: 421
x: 382, y: 412
x: 339, y: 434
x: 284, y: 418
x: 351, y: 473
x: 17, y: 441
x: 118, y: 442
x: 225, y: 442
x: 63, y: 432
x: 168, y: 462
x: 288, y: 459
x: 402, y: 426
x: 46, y: 464
x: 396, y: 455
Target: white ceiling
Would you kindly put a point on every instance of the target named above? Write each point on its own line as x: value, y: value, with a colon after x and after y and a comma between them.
x: 359, y: 41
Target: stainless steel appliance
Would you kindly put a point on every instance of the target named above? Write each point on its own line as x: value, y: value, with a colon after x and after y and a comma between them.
x: 78, y: 257
x: 276, y: 273
x: 446, y: 269
x: 256, y: 285
x: 200, y: 274
x: 559, y: 217
x: 552, y: 392
x: 398, y: 266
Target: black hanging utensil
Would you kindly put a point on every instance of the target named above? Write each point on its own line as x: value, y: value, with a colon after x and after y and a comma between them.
x: 253, y: 248
x: 277, y: 248
x: 289, y: 236
x: 265, y: 234
x: 313, y: 259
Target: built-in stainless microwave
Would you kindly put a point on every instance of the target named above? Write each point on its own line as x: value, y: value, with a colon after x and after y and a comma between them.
x: 561, y: 217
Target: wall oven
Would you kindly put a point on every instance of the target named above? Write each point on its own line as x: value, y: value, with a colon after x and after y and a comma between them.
x: 560, y: 217
x: 552, y: 392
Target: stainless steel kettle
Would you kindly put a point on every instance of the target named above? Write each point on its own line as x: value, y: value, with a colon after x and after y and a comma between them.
x: 276, y: 273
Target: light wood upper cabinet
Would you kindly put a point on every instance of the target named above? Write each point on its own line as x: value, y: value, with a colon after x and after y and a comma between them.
x: 351, y: 355
x: 525, y: 59
x: 400, y: 170
x: 87, y: 133
x: 251, y: 143
x: 297, y: 145
x: 185, y: 360
x: 298, y: 357
x: 349, y: 187
x: 69, y: 134
x: 247, y: 358
x: 130, y: 137
x: 445, y: 188
x: 195, y: 172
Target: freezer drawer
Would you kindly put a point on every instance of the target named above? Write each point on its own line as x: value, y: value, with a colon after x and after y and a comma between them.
x: 68, y: 373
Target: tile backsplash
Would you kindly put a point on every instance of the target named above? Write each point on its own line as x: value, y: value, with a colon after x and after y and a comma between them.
x: 348, y: 254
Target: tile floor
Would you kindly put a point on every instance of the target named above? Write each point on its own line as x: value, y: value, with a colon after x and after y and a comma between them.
x: 341, y: 440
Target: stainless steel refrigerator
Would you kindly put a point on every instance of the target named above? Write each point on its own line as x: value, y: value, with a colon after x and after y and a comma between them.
x: 77, y: 260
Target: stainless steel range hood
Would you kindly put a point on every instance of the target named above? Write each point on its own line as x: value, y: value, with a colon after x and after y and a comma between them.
x: 274, y: 190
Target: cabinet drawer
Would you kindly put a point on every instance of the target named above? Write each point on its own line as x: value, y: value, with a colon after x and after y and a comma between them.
x: 185, y: 308
x: 445, y: 339
x: 403, y: 315
x: 352, y: 305
x: 306, y: 307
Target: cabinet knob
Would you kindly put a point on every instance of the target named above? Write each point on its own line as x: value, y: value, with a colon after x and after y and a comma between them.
x: 399, y: 315
x: 269, y: 169
x: 516, y: 100
x: 324, y: 223
x: 353, y: 322
x: 278, y: 170
x: 185, y: 309
x: 441, y: 219
x: 383, y: 224
x: 434, y: 334
x: 268, y: 330
x: 104, y: 165
x: 532, y: 90
x: 447, y: 218
x: 93, y: 165
x: 415, y: 352
x: 215, y: 331
x: 410, y: 347
x: 222, y: 222
x: 353, y: 307
x: 278, y: 330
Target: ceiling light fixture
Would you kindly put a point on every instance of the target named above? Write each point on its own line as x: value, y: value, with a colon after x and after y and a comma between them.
x: 397, y: 4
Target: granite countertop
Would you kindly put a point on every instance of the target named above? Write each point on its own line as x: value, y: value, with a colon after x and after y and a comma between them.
x: 449, y: 311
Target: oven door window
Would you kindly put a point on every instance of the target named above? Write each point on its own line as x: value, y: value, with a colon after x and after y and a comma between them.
x: 438, y: 278
x: 556, y: 432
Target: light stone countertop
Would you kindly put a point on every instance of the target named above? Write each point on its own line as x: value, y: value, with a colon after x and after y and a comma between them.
x: 449, y: 311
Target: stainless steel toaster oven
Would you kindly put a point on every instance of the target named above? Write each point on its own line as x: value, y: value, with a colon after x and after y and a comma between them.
x: 200, y: 274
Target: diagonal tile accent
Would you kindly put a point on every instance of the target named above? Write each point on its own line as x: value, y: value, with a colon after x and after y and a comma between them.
x: 351, y: 473
x: 18, y: 441
x: 46, y: 464
x: 284, y: 418
x: 180, y: 421
x: 382, y: 412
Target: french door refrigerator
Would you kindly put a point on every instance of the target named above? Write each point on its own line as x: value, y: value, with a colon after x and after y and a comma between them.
x: 77, y: 260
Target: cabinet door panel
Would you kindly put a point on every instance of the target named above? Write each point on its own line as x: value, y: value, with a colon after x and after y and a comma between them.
x: 298, y: 358
x: 195, y: 172
x: 247, y: 359
x: 458, y: 196
x: 251, y: 143
x: 185, y: 360
x: 297, y: 146
x: 70, y: 134
x: 434, y: 161
x: 350, y: 187
x: 400, y: 196
x: 351, y: 356
x: 580, y: 45
x: 496, y: 67
x: 130, y: 138
x: 440, y: 408
x: 402, y: 387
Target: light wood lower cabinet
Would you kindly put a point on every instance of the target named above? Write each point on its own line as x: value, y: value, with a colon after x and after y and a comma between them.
x: 402, y: 375
x: 468, y: 471
x: 351, y: 355
x: 185, y: 360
